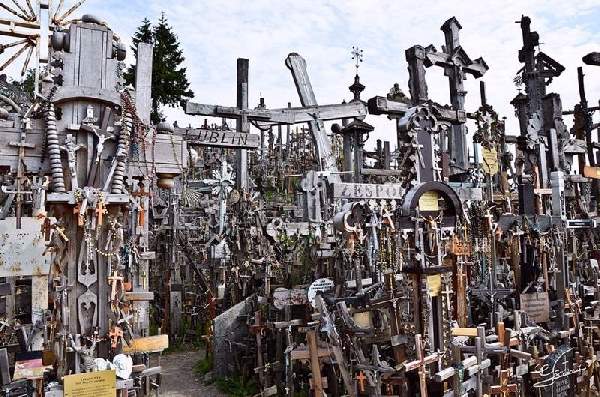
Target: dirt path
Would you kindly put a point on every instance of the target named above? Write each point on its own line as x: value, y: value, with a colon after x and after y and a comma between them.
x: 179, y: 379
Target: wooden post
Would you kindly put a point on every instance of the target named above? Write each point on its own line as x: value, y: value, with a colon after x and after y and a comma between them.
x: 242, y: 122
x: 143, y: 81
x: 315, y: 366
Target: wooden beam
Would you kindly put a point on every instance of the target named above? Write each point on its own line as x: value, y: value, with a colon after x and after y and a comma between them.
x: 148, y: 344
x: 143, y: 81
x: 228, y: 139
x: 315, y: 366
x: 139, y: 296
x: 464, y: 332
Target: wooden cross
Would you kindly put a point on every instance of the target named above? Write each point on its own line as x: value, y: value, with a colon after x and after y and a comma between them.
x: 114, y: 280
x: 314, y: 353
x: 20, y: 174
x: 504, y: 389
x: 100, y: 210
x: 361, y: 381
x: 421, y: 364
x: 115, y: 334
x: 310, y: 112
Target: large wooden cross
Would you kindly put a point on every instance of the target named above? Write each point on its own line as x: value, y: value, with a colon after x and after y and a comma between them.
x: 310, y: 113
x: 421, y: 364
x: 456, y: 64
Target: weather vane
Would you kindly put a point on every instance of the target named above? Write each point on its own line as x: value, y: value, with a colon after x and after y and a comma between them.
x: 357, y: 55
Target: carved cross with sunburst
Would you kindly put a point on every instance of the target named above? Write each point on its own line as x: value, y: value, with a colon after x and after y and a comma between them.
x: 26, y: 30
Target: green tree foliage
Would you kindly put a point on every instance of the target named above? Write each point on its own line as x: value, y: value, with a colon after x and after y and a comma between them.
x: 169, y: 80
x: 27, y: 83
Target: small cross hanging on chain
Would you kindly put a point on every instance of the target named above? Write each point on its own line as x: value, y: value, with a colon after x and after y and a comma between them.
x: 357, y: 55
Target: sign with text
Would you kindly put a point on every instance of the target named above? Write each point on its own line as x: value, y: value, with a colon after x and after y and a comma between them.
x: 228, y: 139
x: 537, y: 306
x: 91, y: 384
x: 367, y: 191
x: 558, y: 374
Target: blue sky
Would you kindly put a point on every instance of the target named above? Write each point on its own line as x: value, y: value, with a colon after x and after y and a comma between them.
x: 214, y: 33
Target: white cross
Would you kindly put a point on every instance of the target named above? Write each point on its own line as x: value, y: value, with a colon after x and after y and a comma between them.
x: 222, y: 184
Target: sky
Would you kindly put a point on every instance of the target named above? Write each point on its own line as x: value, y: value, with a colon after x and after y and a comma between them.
x: 213, y: 34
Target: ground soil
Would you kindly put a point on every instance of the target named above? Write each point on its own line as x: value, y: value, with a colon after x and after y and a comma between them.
x: 179, y: 378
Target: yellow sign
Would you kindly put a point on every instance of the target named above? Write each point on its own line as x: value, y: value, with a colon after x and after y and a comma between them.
x: 429, y: 201
x: 91, y: 384
x: 434, y: 285
x: 490, y: 161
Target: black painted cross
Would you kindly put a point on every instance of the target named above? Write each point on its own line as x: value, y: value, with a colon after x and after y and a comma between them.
x: 456, y: 64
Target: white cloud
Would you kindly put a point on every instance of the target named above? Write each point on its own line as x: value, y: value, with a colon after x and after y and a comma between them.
x: 213, y: 34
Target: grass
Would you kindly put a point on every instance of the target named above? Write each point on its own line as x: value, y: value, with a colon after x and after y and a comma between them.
x: 237, y: 386
x: 203, y: 365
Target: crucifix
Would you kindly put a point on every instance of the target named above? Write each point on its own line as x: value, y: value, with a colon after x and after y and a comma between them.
x: 71, y: 148
x: 102, y: 134
x: 456, y: 64
x: 220, y: 186
x: 504, y: 389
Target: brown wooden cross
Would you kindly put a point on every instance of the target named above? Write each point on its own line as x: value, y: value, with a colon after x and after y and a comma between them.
x: 361, y: 381
x: 421, y: 364
x: 504, y: 389
x: 100, y: 210
x: 114, y: 281
x: 313, y: 354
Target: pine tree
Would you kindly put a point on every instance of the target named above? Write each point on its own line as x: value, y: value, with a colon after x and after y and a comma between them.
x: 169, y: 80
x: 143, y: 34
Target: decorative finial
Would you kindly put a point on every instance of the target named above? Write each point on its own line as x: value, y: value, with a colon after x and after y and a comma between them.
x: 357, y: 55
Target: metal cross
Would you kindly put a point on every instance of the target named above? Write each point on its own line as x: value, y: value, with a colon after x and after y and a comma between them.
x: 357, y: 55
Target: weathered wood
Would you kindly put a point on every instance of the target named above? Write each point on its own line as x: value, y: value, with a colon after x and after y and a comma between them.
x: 297, y: 66
x: 143, y: 81
x: 139, y: 296
x: 366, y: 190
x: 242, y: 124
x: 102, y: 95
x: 147, y: 344
x: 4, y: 367
x: 315, y: 365
x: 266, y: 118
x: 228, y: 139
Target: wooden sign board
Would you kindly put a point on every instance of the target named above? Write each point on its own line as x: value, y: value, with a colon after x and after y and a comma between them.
x: 91, y: 384
x: 537, y: 306
x: 147, y: 345
x: 388, y: 191
x: 228, y: 139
